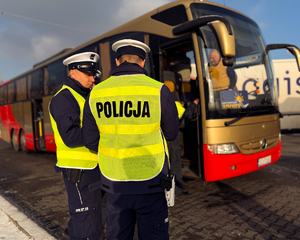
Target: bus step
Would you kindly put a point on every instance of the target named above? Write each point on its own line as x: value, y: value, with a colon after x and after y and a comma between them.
x: 189, y: 168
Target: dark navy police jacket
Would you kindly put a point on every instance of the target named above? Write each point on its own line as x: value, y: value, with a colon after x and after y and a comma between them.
x: 65, y: 110
x: 169, y: 126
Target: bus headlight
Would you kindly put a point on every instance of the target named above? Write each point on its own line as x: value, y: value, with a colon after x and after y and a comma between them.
x: 225, y: 148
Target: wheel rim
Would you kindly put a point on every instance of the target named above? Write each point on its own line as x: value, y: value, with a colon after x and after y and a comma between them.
x: 15, y: 141
x: 23, y: 142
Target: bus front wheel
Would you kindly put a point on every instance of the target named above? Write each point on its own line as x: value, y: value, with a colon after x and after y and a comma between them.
x: 23, y: 141
x: 14, y: 141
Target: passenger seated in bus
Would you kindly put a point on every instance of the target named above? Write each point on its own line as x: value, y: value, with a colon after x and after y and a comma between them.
x: 177, y: 76
x: 186, y: 111
x: 223, y: 77
x: 180, y: 64
x: 171, y: 81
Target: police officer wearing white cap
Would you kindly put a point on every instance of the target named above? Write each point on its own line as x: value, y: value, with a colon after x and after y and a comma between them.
x: 128, y: 117
x: 79, y: 165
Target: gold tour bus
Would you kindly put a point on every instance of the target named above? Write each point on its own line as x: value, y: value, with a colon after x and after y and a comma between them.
x: 232, y: 131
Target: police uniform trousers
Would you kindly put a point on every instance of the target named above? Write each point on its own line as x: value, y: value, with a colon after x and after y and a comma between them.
x: 85, y: 206
x: 175, y: 160
x: 149, y: 211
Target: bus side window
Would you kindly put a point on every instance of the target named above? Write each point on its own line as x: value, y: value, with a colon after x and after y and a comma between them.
x: 55, y: 73
x: 28, y: 86
x: 3, y: 95
x: 21, y: 89
x: 11, y: 92
x: 105, y: 59
x: 46, y: 78
x: 36, y: 86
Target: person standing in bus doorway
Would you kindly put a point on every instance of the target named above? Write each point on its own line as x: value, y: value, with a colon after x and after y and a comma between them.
x: 79, y: 165
x: 174, y: 147
x: 129, y: 116
x: 223, y: 77
x: 178, y: 72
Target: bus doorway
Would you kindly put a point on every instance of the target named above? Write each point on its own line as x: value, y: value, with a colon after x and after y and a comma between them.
x: 38, y: 125
x: 179, y: 76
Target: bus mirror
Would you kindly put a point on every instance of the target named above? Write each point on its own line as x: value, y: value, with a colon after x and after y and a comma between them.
x: 222, y: 29
x: 199, y: 22
x: 295, y: 51
x: 227, y: 42
x: 290, y: 48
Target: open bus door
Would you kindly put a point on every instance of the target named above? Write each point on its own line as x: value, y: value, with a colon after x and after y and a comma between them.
x: 38, y: 125
x: 178, y: 58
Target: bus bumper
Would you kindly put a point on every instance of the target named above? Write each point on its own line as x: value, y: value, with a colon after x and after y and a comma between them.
x: 219, y: 167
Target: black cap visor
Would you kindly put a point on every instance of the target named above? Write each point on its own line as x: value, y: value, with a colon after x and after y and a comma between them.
x: 86, y: 67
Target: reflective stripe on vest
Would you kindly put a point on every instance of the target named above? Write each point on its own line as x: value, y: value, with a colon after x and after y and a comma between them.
x: 127, y: 113
x: 180, y: 109
x: 77, y: 157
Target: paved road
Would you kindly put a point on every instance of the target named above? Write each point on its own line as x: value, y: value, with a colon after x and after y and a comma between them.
x: 259, y: 205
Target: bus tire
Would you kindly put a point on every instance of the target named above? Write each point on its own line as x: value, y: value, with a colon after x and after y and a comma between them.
x: 14, y: 141
x: 22, y: 141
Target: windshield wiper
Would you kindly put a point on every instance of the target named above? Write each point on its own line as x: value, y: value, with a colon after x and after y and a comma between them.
x: 228, y: 123
x: 250, y: 113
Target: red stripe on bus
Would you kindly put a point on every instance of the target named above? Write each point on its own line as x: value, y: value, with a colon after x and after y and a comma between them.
x: 8, y: 120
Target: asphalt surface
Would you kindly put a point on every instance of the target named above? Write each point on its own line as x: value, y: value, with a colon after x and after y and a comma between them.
x: 260, y: 205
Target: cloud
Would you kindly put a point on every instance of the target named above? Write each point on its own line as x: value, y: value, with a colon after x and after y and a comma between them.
x: 43, y: 45
x: 134, y: 8
x: 14, y: 41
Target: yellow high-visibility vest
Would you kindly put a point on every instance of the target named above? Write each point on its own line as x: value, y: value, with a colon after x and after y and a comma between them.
x: 180, y: 109
x: 127, y: 112
x: 73, y: 157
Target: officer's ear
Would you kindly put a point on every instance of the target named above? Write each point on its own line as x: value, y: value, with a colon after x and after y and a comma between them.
x: 72, y: 73
x: 142, y: 64
x: 117, y: 62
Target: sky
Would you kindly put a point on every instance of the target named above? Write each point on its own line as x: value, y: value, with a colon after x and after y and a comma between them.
x: 33, y: 30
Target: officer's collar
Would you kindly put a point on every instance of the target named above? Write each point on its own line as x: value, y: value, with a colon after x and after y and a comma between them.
x: 77, y: 86
x: 127, y: 68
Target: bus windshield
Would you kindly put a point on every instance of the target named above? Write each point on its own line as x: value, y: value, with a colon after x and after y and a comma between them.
x: 247, y: 87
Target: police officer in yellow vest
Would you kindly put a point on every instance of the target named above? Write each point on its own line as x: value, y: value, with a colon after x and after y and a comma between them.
x: 223, y: 77
x: 174, y: 146
x: 78, y: 164
x: 128, y: 119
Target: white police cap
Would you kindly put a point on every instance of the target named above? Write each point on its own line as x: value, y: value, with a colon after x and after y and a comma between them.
x: 130, y: 46
x: 84, y: 62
